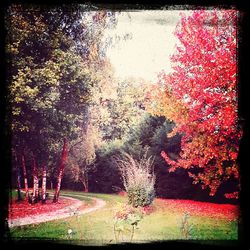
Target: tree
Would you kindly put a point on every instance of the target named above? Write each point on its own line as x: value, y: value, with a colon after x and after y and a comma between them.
x: 18, y: 176
x: 61, y: 170
x: 35, y: 181
x: 82, y: 156
x: 44, y: 178
x: 120, y: 108
x: 106, y: 176
x: 200, y: 96
x: 25, y: 179
x: 151, y: 133
x: 52, y: 58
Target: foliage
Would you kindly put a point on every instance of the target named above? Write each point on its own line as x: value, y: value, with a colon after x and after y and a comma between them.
x: 200, y: 96
x: 82, y: 156
x: 127, y: 219
x: 151, y: 132
x: 140, y: 196
x: 138, y: 178
x: 54, y: 60
x: 145, y: 133
x: 119, y: 107
x: 106, y: 178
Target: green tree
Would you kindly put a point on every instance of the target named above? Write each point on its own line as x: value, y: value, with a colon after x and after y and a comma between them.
x: 52, y: 56
x: 120, y: 108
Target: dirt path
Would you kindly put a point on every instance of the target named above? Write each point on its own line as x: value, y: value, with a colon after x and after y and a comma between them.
x: 99, y: 203
x: 59, y: 214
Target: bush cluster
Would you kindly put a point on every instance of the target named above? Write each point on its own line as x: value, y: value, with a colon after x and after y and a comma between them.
x: 138, y: 179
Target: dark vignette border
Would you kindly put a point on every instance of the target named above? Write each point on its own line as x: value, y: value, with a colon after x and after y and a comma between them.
x: 243, y: 49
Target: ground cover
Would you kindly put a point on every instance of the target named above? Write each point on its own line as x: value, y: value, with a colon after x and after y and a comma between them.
x: 163, y: 221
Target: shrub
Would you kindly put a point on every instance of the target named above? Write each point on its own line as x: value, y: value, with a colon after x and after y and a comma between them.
x: 138, y: 178
x: 140, y: 196
x: 186, y: 227
x: 127, y: 219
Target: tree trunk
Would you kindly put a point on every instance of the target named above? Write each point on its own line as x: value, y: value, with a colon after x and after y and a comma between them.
x: 85, y: 187
x: 19, y: 196
x: 35, y: 181
x: 86, y: 182
x: 25, y: 179
x: 51, y: 185
x: 60, y: 170
x: 44, y: 185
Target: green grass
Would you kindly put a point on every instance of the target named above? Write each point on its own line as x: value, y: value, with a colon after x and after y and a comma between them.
x: 13, y: 194
x: 97, y: 227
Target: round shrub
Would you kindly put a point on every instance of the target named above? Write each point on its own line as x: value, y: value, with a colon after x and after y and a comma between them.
x: 140, y: 196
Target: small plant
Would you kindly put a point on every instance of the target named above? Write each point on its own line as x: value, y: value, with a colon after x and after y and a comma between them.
x: 185, y: 226
x: 70, y: 231
x: 78, y: 229
x: 138, y: 178
x: 126, y: 221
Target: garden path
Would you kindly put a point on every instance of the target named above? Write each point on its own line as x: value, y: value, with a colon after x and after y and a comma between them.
x: 74, y: 209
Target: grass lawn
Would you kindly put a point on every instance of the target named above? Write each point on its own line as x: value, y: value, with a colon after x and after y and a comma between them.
x: 97, y: 228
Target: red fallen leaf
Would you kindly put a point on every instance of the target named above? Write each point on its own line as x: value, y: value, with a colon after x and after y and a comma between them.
x: 122, y: 193
x: 206, y: 209
x: 23, y: 209
x: 148, y: 209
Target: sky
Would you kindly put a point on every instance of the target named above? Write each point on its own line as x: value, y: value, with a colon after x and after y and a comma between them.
x: 151, y: 44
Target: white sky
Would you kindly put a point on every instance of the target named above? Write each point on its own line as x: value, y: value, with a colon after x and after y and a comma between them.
x: 153, y: 41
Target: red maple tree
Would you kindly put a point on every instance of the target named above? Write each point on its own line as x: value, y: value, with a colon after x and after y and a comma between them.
x: 200, y: 96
